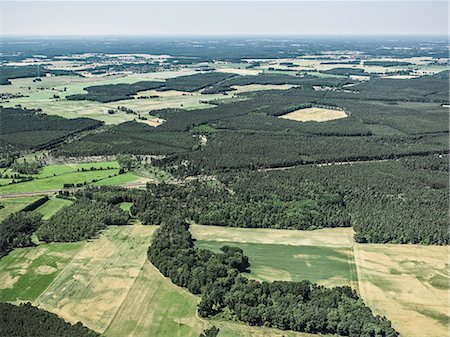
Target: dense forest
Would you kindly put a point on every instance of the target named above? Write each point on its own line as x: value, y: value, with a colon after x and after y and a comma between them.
x: 217, y: 277
x: 8, y: 72
x: 26, y: 320
x: 247, y: 204
x: 80, y: 221
x: 31, y: 129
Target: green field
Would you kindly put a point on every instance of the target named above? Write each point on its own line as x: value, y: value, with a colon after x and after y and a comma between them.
x: 12, y: 205
x: 268, y: 262
x: 52, y: 206
x: 26, y: 272
x: 53, y: 177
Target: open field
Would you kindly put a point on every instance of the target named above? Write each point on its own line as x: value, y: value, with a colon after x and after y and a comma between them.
x: 327, y: 237
x: 13, y: 205
x: 409, y: 284
x: 52, y: 207
x: 269, y: 262
x: 93, y: 286
x: 314, y: 114
x: 156, y: 307
x: 53, y: 177
x: 26, y: 272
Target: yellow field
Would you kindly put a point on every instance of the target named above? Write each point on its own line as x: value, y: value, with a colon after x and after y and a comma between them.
x: 314, y: 114
x: 93, y: 286
x: 409, y: 284
x: 327, y: 237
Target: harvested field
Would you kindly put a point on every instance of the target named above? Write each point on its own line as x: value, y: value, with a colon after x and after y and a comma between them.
x: 409, y: 284
x: 93, y: 286
x: 314, y: 114
x: 327, y: 237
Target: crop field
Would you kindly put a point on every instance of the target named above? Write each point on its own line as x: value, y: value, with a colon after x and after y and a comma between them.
x: 409, y: 284
x: 52, y: 206
x: 328, y: 237
x: 95, y: 283
x: 53, y: 177
x: 314, y: 114
x: 328, y: 266
x: 26, y: 272
x: 156, y: 307
x: 13, y: 205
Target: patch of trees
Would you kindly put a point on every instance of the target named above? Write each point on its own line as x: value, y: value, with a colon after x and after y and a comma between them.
x: 114, y: 92
x: 16, y: 231
x: 26, y: 167
x: 27, y: 320
x: 32, y: 129
x: 245, y: 203
x: 81, y: 221
x: 194, y: 82
x: 7, y: 72
x: 346, y: 72
x: 299, y: 306
x: 35, y: 204
x: 388, y: 63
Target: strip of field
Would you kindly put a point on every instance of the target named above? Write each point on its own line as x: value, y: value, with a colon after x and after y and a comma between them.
x: 93, y: 286
x: 328, y: 266
x: 327, y: 237
x: 314, y: 114
x: 26, y: 272
x: 52, y: 207
x: 409, y: 284
x: 156, y: 307
x: 12, y: 205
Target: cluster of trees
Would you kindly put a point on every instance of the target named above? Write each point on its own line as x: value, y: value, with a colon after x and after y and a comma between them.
x: 245, y: 203
x: 32, y: 129
x: 80, y: 221
x: 16, y: 231
x: 10, y: 72
x: 26, y: 167
x: 114, y: 92
x: 299, y: 306
x: 388, y: 63
x: 347, y: 72
x: 27, y: 320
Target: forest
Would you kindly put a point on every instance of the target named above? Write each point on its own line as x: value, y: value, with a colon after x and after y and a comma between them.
x: 27, y: 320
x: 218, y: 278
x: 8, y: 72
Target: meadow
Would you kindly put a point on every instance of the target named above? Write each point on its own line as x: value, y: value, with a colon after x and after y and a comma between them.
x: 54, y: 177
x: 26, y: 272
x: 328, y: 266
x: 13, y: 205
x: 52, y: 206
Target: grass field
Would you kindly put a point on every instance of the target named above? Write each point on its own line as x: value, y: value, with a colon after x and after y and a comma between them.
x: 328, y: 266
x: 314, y: 114
x: 12, y: 205
x: 52, y: 206
x: 409, y: 284
x: 26, y: 272
x: 93, y: 286
x: 53, y: 177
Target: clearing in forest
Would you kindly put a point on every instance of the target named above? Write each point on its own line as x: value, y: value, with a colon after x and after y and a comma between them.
x: 95, y: 283
x: 52, y: 206
x: 13, y: 205
x: 324, y: 256
x: 314, y: 114
x: 409, y: 284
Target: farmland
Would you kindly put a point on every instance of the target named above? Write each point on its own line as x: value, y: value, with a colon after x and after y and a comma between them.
x: 13, y: 205
x: 314, y: 114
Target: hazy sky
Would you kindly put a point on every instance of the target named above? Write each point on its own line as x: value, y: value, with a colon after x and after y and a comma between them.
x: 223, y: 17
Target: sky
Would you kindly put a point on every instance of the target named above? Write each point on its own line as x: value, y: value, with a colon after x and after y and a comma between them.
x: 170, y: 18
